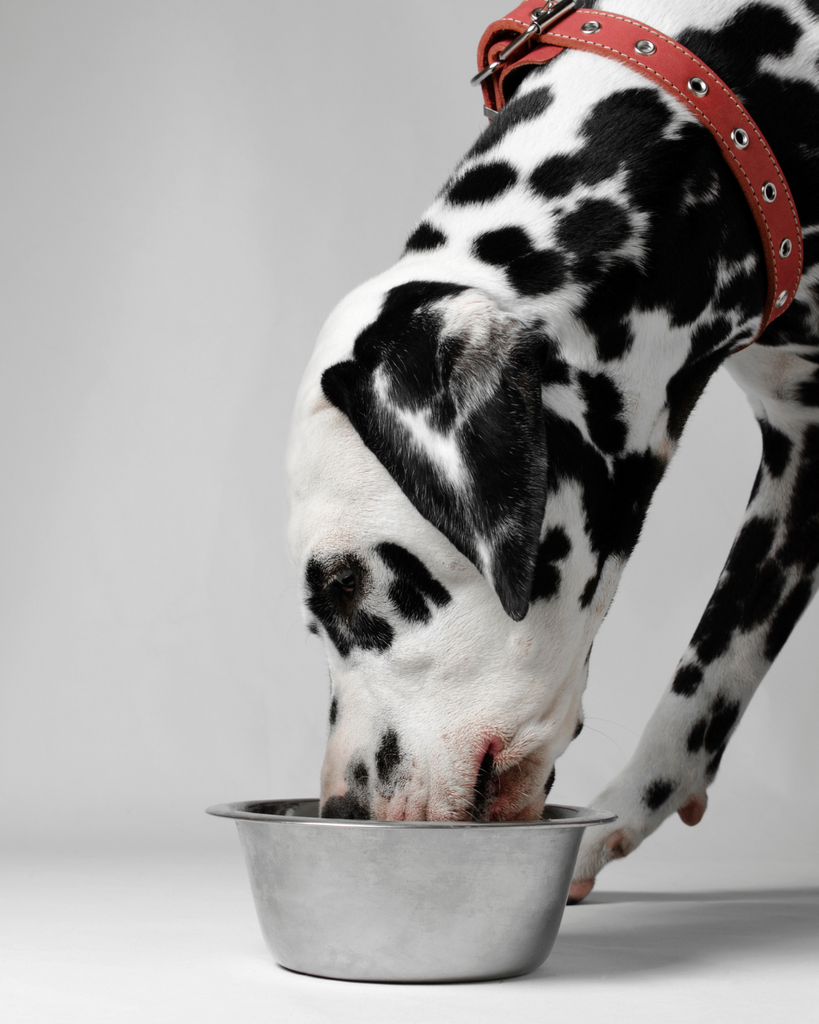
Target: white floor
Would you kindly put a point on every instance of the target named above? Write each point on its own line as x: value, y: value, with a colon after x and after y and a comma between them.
x: 155, y: 940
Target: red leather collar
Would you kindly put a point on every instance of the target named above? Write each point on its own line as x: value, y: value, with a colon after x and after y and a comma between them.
x: 542, y: 30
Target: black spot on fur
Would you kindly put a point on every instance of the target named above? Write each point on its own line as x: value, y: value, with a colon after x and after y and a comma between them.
x: 360, y: 775
x: 713, y: 765
x: 807, y: 391
x: 724, y: 714
x: 530, y: 271
x: 697, y: 735
x: 592, y: 583
x: 372, y: 633
x: 635, y: 479
x: 776, y: 449
x: 604, y: 408
x: 614, y: 130
x: 687, y: 680
x: 711, y: 732
x: 786, y: 617
x: 546, y: 582
x: 556, y: 545
x: 589, y: 232
x: 517, y: 111
x: 425, y: 238
x: 657, y: 793
x: 333, y: 711
x: 578, y: 729
x: 409, y: 603
x: 765, y: 31
x: 502, y: 246
x: 614, y: 501
x: 810, y: 250
x: 413, y: 584
x: 349, y: 806
x: 553, y: 370
x: 549, y: 782
x: 554, y: 548
x: 538, y: 273
x: 606, y: 306
x: 388, y: 758
x: 482, y: 183
x: 746, y: 594
x: 764, y: 597
x: 685, y: 388
x: 556, y: 176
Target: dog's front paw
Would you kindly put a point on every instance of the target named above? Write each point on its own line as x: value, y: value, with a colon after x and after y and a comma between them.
x: 635, y: 820
x: 599, y: 846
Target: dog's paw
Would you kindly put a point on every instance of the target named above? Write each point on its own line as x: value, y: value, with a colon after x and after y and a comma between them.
x: 579, y: 890
x: 599, y: 846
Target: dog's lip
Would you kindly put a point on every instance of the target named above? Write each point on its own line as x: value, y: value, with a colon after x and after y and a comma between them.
x: 502, y: 789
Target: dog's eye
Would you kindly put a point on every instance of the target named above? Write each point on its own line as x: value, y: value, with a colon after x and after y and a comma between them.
x: 345, y: 580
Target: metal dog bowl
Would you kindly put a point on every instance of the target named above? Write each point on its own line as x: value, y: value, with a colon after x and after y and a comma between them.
x: 408, y: 900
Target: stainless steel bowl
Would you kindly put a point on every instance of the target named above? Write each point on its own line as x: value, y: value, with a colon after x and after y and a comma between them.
x: 408, y: 900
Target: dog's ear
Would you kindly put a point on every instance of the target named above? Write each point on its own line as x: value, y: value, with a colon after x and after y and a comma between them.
x: 445, y: 390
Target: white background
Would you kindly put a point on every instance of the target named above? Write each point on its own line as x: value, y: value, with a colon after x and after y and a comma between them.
x: 188, y: 189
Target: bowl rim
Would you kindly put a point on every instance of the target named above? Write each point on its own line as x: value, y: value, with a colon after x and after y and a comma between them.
x: 581, y: 817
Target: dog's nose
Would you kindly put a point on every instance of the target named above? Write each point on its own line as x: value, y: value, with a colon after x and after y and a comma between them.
x: 348, y: 805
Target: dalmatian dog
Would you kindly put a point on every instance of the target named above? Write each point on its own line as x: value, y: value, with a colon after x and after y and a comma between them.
x: 481, y: 429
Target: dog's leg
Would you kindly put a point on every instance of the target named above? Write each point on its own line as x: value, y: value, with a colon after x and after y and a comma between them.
x: 767, y: 582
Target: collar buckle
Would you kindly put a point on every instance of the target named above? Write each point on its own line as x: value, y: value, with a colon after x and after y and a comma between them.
x: 542, y: 18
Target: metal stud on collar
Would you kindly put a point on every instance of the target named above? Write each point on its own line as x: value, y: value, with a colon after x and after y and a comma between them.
x: 781, y: 299
x: 786, y: 248
x: 698, y: 87
x: 739, y: 137
x: 769, y: 191
x: 645, y: 47
x: 588, y: 28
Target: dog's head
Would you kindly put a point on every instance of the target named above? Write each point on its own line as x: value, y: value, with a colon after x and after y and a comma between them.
x: 418, y: 475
